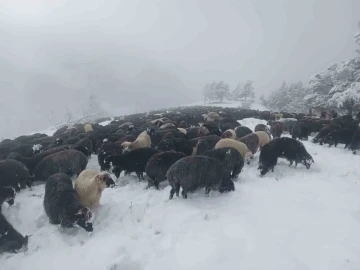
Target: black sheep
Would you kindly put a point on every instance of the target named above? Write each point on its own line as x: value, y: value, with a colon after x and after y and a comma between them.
x: 70, y: 162
x: 242, y: 131
x: 86, y: 142
x: 194, y: 132
x: 178, y: 145
x: 82, y: 149
x: 228, y: 123
x: 14, y: 174
x: 94, y: 137
x: 211, y: 126
x: 62, y: 205
x: 157, y: 136
x: 199, y: 146
x: 24, y: 139
x: 31, y: 162
x: 106, y: 150
x: 355, y: 141
x: 284, y: 147
x: 183, y: 124
x: 195, y: 172
x: 73, y: 140
x: 300, y: 131
x: 7, y: 194
x: 230, y: 157
x: 133, y: 161
x: 158, y: 165
x: 343, y: 135
x: 211, y: 140
x: 10, y: 239
x: 28, y: 150
x: 325, y: 131
x: 215, y: 132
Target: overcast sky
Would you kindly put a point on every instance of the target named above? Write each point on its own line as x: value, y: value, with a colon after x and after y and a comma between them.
x: 144, y: 54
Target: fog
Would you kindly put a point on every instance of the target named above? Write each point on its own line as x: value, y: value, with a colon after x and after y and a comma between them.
x: 145, y: 54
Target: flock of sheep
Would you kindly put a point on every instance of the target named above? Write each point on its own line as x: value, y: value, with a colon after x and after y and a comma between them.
x: 172, y: 146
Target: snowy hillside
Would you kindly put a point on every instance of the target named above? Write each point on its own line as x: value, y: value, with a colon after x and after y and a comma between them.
x: 230, y: 104
x: 290, y: 219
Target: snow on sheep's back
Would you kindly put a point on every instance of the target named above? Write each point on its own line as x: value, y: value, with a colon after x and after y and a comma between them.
x: 292, y: 218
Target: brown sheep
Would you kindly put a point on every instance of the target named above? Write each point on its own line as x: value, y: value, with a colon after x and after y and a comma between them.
x: 239, y: 146
x: 263, y: 137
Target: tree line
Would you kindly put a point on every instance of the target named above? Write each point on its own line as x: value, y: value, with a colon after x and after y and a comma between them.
x: 219, y: 90
x: 336, y: 89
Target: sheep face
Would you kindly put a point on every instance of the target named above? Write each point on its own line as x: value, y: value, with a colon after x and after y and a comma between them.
x: 83, y: 218
x: 8, y: 195
x: 105, y: 180
x: 227, y: 134
x: 263, y: 169
x: 307, y: 161
x: 227, y: 185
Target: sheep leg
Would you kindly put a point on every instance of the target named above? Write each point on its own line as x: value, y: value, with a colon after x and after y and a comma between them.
x: 150, y: 183
x: 296, y: 163
x: 156, y: 184
x: 207, y: 191
x: 177, y: 189
x: 172, y: 192
x: 184, y: 194
x: 291, y: 162
x: 138, y: 175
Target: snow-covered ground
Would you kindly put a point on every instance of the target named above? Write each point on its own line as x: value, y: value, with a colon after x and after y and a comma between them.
x: 290, y: 219
x: 231, y: 104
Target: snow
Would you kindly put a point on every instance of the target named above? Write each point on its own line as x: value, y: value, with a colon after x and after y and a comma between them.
x: 350, y: 94
x: 107, y: 122
x: 251, y: 122
x: 230, y: 104
x: 36, y: 147
x: 290, y: 219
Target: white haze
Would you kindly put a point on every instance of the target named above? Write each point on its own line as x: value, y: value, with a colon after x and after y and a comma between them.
x: 140, y: 55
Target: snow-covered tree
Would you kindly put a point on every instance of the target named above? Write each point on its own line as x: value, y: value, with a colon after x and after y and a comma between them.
x: 209, y: 91
x: 248, y: 90
x: 288, y: 98
x: 216, y: 91
x: 349, y: 99
x: 222, y: 90
x: 263, y: 100
x: 235, y: 94
x: 334, y: 88
x: 279, y: 98
x: 92, y: 109
x: 68, y: 116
